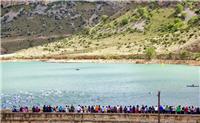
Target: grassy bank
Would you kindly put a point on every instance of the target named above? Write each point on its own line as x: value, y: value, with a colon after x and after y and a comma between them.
x: 103, y: 59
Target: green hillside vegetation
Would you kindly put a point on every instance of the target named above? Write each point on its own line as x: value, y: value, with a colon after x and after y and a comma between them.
x: 54, y: 20
x: 142, y: 32
x: 46, y: 23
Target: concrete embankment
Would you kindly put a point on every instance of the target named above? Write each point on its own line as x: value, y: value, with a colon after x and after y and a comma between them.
x: 8, y: 117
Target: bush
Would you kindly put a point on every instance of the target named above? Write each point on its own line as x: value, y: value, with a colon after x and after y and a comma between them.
x: 194, y: 20
x: 150, y: 53
x: 115, y: 23
x: 197, y: 11
x: 169, y: 55
x: 184, y: 55
x: 197, y: 56
x: 104, y: 18
x: 124, y: 21
x: 178, y: 24
x: 45, y: 49
x: 86, y: 31
x: 143, y: 12
x: 92, y: 31
x: 179, y: 8
x: 183, y: 16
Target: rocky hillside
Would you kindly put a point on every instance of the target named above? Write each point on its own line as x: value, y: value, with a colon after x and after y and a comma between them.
x: 112, y: 30
x: 26, y: 25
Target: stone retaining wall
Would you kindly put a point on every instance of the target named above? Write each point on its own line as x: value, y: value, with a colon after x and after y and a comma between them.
x: 8, y: 117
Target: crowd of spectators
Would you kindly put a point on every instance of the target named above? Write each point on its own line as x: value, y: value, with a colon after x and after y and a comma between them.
x: 165, y: 109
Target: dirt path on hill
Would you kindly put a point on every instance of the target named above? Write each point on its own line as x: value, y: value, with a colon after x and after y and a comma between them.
x: 13, y: 39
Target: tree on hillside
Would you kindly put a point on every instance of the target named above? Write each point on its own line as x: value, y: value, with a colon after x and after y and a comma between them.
x: 124, y: 21
x: 86, y: 31
x: 194, y: 21
x: 183, y: 15
x: 184, y: 55
x: 143, y: 12
x: 179, y: 8
x: 104, y: 18
x: 178, y: 24
x: 150, y: 53
x: 197, y: 11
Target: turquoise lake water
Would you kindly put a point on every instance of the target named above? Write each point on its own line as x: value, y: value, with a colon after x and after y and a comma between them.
x: 29, y: 83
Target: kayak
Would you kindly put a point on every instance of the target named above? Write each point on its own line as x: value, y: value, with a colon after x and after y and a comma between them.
x: 192, y: 85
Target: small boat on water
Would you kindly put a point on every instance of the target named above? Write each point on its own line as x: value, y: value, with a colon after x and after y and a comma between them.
x: 192, y: 85
x: 77, y: 69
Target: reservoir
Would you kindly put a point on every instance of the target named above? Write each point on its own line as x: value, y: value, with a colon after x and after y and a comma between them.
x: 39, y: 83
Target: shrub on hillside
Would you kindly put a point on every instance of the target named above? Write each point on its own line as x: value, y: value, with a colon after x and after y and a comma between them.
x: 197, y: 11
x: 194, y: 20
x: 170, y: 55
x: 86, y: 31
x: 179, y: 8
x: 124, y: 21
x: 184, y: 55
x: 183, y: 15
x: 178, y: 24
x: 150, y: 53
x: 115, y: 23
x: 197, y: 56
x: 92, y: 31
x: 143, y: 12
x: 104, y: 18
